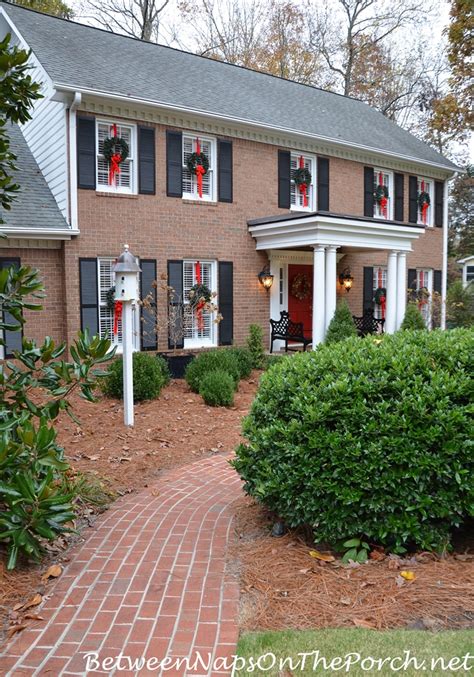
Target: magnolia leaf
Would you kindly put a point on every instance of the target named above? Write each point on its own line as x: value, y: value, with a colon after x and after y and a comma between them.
x: 323, y: 556
x: 34, y: 601
x: 408, y: 575
x: 15, y: 629
x: 54, y: 571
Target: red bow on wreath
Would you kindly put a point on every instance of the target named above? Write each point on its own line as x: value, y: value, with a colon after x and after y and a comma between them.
x: 303, y: 186
x: 201, y: 303
x: 118, y: 307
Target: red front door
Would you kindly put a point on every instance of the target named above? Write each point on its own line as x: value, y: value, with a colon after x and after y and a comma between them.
x: 300, y: 296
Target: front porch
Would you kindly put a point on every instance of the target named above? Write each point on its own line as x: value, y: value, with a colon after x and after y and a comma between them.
x: 317, y: 247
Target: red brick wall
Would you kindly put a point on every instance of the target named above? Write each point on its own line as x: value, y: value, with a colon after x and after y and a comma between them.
x: 162, y: 228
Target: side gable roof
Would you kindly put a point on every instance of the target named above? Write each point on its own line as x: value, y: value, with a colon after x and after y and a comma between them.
x: 34, y: 206
x: 88, y: 58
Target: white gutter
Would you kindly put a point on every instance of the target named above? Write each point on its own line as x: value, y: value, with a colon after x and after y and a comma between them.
x: 40, y: 233
x: 250, y: 123
x: 444, y: 270
x: 73, y: 159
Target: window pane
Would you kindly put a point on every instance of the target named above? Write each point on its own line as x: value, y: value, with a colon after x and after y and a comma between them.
x: 379, y: 280
x: 296, y: 196
x: 190, y: 180
x: 106, y: 315
x: 382, y: 178
x: 195, y: 328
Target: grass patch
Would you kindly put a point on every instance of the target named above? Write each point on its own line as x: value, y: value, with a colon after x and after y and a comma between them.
x: 370, y: 644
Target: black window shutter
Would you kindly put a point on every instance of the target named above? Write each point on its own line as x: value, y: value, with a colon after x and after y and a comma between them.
x: 174, y: 164
x: 439, y: 203
x: 175, y: 280
x: 284, y: 162
x: 368, y: 303
x: 224, y: 169
x: 148, y: 316
x: 13, y: 339
x: 368, y: 191
x: 322, y: 179
x: 437, y: 278
x: 86, y: 153
x: 226, y: 302
x: 146, y: 160
x: 399, y: 191
x: 411, y: 283
x: 413, y: 199
x: 89, y: 296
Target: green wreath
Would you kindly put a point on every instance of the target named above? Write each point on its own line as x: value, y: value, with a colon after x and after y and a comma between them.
x: 110, y: 298
x: 115, y: 145
x: 199, y: 293
x: 380, y: 192
x: 302, y: 176
x: 424, y: 199
x: 300, y: 287
x: 196, y: 159
x: 379, y: 293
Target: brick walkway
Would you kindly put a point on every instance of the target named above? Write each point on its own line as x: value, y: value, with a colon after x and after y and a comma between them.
x: 148, y: 581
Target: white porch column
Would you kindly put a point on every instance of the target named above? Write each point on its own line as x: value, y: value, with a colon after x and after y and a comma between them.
x: 319, y: 295
x: 391, y: 310
x: 331, y: 294
x: 274, y: 293
x: 401, y: 288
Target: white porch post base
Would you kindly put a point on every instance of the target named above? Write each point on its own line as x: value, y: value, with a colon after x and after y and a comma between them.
x: 319, y: 295
x: 331, y: 294
x: 401, y: 288
x: 391, y: 310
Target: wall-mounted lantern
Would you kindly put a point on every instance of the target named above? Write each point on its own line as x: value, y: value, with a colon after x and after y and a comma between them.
x: 266, y: 278
x: 346, y: 280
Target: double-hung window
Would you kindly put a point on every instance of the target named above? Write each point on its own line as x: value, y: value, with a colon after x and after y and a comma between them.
x: 383, y: 199
x: 106, y: 281
x: 379, y: 282
x: 200, y: 330
x: 207, y: 146
x: 469, y: 274
x: 424, y: 288
x: 125, y: 180
x: 425, y: 214
x: 297, y: 192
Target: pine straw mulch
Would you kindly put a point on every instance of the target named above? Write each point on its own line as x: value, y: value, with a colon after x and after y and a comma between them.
x: 283, y: 587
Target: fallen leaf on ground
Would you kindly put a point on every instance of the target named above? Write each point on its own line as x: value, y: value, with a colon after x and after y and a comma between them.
x: 360, y: 623
x: 34, y: 617
x: 376, y: 555
x: 15, y: 629
x: 393, y: 563
x: 408, y: 575
x: 323, y: 556
x: 34, y: 601
x: 54, y: 571
x: 346, y: 601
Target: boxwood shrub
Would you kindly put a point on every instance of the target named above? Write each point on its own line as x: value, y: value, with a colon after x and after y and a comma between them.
x: 149, y: 377
x: 213, y: 360
x: 368, y: 437
x: 217, y: 388
x: 244, y: 361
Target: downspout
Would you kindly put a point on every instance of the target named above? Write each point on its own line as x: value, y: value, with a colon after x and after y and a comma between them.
x: 73, y: 160
x: 444, y: 272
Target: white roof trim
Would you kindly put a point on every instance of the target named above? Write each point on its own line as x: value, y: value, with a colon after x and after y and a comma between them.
x: 39, y: 233
x: 466, y: 259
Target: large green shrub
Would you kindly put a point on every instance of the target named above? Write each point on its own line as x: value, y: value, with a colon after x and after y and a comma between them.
x: 413, y: 318
x: 368, y: 437
x: 342, y: 325
x: 217, y: 388
x: 256, y: 347
x: 213, y: 360
x: 244, y: 361
x: 149, y: 378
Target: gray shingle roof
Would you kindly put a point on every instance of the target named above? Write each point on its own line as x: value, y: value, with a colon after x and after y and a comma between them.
x: 34, y: 206
x: 89, y: 58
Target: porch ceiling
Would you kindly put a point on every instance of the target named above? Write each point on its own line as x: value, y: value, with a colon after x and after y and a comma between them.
x: 307, y: 230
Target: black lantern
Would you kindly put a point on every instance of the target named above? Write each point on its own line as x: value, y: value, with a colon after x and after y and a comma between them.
x: 266, y: 278
x: 346, y: 279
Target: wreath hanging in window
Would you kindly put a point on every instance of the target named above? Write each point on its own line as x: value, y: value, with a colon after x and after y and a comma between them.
x: 115, y: 152
x: 300, y: 287
x: 110, y: 299
x: 198, y: 164
x: 380, y: 298
x: 302, y: 178
x: 381, y: 198
x: 424, y: 202
x: 199, y: 294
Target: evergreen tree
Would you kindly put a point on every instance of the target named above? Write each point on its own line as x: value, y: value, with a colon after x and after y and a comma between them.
x: 413, y: 318
x: 342, y: 325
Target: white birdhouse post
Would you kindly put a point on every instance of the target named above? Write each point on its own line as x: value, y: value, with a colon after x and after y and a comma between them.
x: 126, y: 272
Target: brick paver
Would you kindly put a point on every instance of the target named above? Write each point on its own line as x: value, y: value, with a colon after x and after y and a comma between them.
x: 149, y: 581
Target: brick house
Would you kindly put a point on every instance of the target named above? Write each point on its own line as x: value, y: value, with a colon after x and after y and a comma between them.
x: 257, y: 130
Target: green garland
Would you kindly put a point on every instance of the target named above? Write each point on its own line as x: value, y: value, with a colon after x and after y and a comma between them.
x: 380, y: 192
x: 301, y: 176
x: 196, y: 159
x: 381, y: 291
x: 199, y: 293
x: 110, y: 298
x: 424, y: 199
x: 114, y: 145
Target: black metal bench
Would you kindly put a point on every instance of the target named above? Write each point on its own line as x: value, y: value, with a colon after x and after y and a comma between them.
x: 286, y: 330
x: 368, y: 324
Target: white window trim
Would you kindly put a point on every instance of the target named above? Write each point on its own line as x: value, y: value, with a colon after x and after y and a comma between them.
x: 135, y: 314
x: 312, y: 203
x: 133, y: 161
x: 199, y: 342
x: 430, y: 221
x: 391, y: 196
x: 213, y: 167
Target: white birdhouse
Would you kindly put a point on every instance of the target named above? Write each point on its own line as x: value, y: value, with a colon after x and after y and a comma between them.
x: 126, y: 272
